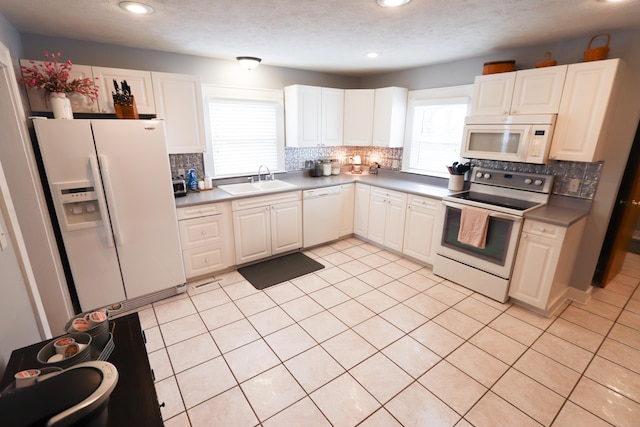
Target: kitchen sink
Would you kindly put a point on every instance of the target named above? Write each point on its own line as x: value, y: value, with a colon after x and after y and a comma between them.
x: 256, y: 187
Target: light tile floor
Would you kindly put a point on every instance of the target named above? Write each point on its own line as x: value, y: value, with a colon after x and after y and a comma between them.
x: 374, y: 339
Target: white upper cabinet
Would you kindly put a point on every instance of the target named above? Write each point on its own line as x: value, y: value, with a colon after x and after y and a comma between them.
x: 538, y: 91
x: 375, y: 116
x: 178, y: 99
x: 79, y: 103
x: 586, y: 97
x: 139, y: 81
x: 390, y: 112
x: 358, y: 116
x: 332, y: 116
x: 313, y: 116
x: 535, y: 91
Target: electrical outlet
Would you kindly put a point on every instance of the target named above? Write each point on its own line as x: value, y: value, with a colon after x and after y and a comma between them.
x: 574, y: 186
x: 181, y: 173
x: 394, y: 164
x: 301, y: 164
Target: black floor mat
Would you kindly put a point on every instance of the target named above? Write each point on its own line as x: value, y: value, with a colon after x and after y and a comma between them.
x: 278, y: 270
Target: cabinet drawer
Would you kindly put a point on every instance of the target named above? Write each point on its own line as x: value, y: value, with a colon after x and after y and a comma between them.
x: 544, y: 229
x: 388, y: 194
x: 201, y: 261
x: 203, y: 231
x: 426, y: 202
x: 258, y: 201
x: 201, y: 210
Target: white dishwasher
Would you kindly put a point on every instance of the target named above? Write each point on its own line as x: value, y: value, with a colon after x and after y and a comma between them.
x: 321, y: 215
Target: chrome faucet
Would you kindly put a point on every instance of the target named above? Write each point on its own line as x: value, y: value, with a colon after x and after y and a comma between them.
x: 268, y: 172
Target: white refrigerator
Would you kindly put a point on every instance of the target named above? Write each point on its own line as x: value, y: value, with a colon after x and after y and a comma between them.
x: 110, y: 182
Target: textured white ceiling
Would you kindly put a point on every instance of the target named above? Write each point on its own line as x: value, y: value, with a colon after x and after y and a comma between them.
x: 326, y: 35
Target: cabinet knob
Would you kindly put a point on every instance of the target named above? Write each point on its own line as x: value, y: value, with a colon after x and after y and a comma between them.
x: 203, y: 233
x: 206, y: 260
x: 524, y: 236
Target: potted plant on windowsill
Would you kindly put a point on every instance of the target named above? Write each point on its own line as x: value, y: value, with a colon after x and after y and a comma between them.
x: 53, y: 77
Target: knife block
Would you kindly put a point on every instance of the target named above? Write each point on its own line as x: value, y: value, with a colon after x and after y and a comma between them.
x: 127, y: 111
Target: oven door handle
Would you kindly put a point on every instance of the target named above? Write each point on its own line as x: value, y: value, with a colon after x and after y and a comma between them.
x: 492, y: 214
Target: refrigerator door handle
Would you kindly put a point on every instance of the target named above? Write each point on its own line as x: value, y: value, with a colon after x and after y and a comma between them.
x: 97, y: 183
x: 113, y: 212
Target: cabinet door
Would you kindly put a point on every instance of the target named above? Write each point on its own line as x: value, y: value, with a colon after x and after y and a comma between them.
x: 534, y: 270
x: 394, y: 224
x: 419, y: 229
x: 377, y: 218
x: 286, y: 227
x: 492, y: 94
x: 302, y: 115
x: 139, y: 81
x: 79, y: 103
x: 252, y: 231
x: 584, y: 103
x: 332, y: 117
x: 347, y: 201
x: 361, y: 210
x: 538, y: 91
x: 358, y: 116
x: 178, y: 99
x: 390, y: 111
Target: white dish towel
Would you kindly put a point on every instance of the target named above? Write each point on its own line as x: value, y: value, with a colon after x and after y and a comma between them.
x: 474, y: 223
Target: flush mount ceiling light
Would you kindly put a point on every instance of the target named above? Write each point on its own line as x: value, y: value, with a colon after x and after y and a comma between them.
x: 372, y: 55
x: 137, y: 8
x: 392, y: 3
x: 248, y: 62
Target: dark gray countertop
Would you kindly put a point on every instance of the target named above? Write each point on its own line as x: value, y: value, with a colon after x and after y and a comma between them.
x: 434, y: 187
x: 562, y: 211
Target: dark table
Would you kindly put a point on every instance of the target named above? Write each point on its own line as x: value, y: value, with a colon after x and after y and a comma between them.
x: 134, y: 401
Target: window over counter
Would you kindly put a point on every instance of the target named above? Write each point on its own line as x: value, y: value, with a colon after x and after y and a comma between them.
x: 435, y: 123
x: 245, y: 129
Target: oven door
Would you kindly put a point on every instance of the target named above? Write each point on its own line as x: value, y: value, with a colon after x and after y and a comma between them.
x: 498, y: 254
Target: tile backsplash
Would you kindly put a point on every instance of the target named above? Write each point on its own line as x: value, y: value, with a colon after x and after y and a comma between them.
x: 388, y: 158
x: 575, y: 179
x: 186, y: 162
x: 584, y: 176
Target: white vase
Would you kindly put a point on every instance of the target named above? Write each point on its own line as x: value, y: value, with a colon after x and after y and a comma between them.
x: 61, y: 106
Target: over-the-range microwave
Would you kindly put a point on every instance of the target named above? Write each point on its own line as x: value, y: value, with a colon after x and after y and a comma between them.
x: 518, y: 138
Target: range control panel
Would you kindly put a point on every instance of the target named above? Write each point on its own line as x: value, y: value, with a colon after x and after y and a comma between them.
x: 77, y: 205
x: 511, y: 179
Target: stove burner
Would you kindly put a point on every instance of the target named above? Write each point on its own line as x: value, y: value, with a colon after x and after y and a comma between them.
x: 489, y: 199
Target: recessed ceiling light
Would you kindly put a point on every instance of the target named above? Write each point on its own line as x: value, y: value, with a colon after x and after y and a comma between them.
x: 392, y: 3
x: 373, y: 55
x: 137, y: 8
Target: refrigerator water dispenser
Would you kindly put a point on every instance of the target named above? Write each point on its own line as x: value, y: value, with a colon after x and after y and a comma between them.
x: 77, y: 205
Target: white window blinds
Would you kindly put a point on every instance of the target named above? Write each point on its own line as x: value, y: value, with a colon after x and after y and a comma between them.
x: 245, y: 131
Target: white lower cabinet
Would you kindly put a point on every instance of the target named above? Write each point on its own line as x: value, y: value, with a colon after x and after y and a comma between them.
x: 267, y: 225
x: 361, y: 210
x: 386, y: 217
x: 347, y: 202
x: 544, y: 263
x: 419, y: 228
x: 206, y: 238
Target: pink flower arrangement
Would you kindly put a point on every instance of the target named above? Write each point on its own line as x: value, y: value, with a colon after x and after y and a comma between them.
x: 53, y: 76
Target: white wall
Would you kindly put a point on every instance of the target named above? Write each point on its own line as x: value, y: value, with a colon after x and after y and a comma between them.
x: 16, y: 154
x: 210, y: 70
